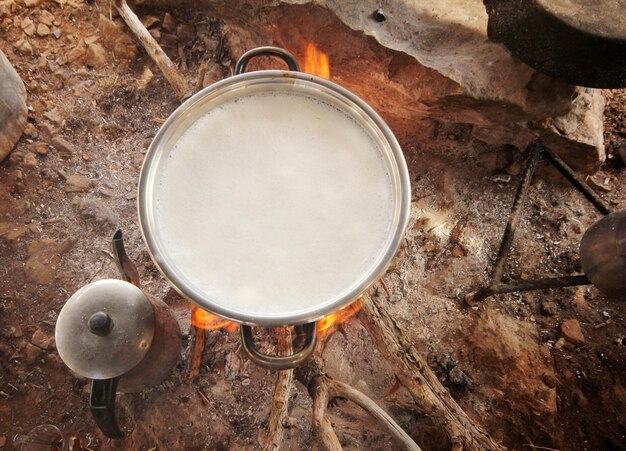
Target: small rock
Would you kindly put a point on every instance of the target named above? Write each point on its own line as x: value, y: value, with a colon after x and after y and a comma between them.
x: 125, y: 48
x: 559, y: 343
x: 28, y: 26
x: 245, y: 382
x: 53, y: 116
x: 73, y: 55
x: 549, y: 308
x: 458, y: 377
x: 458, y: 251
x: 30, y: 160
x: 30, y: 130
x: 23, y: 46
x: 150, y: 21
x: 6, y: 7
x: 77, y: 183
x: 110, y: 30
x: 168, y: 39
x: 65, y: 148
x: 598, y: 185
x: 11, y: 233
x: 46, y: 18
x: 57, y: 33
x: 169, y: 23
x: 91, y: 39
x: 107, y: 192
x: 144, y: 80
x: 549, y: 380
x: 11, y: 332
x: 3, y: 441
x: 44, y: 259
x: 572, y: 332
x: 32, y: 353
x: 41, y: 148
x: 156, y: 34
x: 96, y: 210
x: 31, y: 3
x: 41, y: 339
x: 606, y: 314
x: 95, y: 55
x: 185, y: 33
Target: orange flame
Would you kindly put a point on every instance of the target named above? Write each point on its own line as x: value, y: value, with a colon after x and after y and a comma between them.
x: 316, y: 62
x: 207, y: 321
x: 331, y: 323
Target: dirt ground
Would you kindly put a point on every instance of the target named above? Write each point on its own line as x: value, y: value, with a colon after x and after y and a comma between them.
x: 96, y: 100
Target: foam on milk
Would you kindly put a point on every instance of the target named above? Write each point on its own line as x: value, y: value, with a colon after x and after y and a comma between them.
x: 274, y: 203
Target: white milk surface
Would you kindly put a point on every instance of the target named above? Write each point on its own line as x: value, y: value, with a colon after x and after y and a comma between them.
x: 274, y: 203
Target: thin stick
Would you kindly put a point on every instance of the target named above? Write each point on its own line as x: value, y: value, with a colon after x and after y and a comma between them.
x: 416, y: 376
x: 339, y: 389
x: 280, y: 402
x: 196, y: 349
x: 319, y: 393
x: 201, y: 74
x: 175, y: 79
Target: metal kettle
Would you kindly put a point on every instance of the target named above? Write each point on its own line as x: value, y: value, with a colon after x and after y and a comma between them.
x: 110, y: 331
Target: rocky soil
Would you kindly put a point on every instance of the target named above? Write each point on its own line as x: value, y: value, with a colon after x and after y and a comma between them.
x: 543, y: 369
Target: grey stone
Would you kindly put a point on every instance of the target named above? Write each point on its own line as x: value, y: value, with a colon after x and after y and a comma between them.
x: 96, y: 210
x: 77, y: 183
x: 13, y: 110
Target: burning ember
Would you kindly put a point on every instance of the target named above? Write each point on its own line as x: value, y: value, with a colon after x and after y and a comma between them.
x: 316, y: 62
x: 207, y: 321
x: 331, y: 323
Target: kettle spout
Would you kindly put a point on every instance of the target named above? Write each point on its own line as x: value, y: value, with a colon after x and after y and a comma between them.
x: 124, y: 263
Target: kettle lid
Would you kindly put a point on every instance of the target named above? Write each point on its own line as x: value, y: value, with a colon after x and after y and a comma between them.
x: 105, y: 329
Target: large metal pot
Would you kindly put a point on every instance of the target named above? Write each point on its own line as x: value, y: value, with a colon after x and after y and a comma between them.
x: 163, y: 247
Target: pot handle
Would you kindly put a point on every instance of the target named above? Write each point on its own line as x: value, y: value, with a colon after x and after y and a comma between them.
x: 283, y: 54
x: 280, y: 362
x: 102, y: 404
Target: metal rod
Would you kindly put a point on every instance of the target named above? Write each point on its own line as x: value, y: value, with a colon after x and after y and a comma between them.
x: 576, y: 180
x: 526, y: 285
x: 516, y: 212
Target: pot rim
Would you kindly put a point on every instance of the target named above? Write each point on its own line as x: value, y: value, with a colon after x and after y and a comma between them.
x: 358, y: 109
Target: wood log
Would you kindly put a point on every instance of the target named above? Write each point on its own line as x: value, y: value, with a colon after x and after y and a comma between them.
x: 173, y: 76
x: 280, y: 401
x: 413, y: 372
x: 323, y: 389
x: 194, y: 354
x: 340, y: 389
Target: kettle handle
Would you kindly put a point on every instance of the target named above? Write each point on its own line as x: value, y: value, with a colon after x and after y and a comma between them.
x: 102, y: 404
x: 283, y: 54
x: 280, y: 362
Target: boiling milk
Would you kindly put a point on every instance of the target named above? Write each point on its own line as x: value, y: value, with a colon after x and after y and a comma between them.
x: 274, y: 203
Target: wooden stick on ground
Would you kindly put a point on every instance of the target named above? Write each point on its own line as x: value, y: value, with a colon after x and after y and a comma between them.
x: 323, y: 389
x: 194, y: 354
x: 280, y: 402
x: 416, y: 376
x: 155, y: 51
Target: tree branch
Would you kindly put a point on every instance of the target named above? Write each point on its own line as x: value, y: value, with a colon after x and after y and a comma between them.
x: 416, y: 376
x: 173, y: 76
